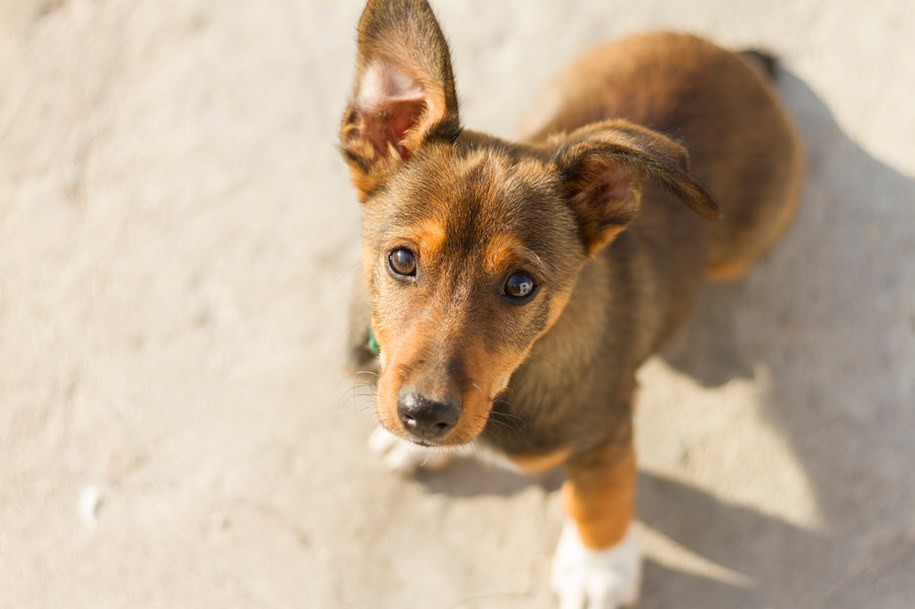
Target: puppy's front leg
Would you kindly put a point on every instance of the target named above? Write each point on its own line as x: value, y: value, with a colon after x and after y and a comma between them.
x: 597, y: 563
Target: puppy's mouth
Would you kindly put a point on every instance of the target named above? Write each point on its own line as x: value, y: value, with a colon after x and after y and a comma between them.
x: 449, y: 440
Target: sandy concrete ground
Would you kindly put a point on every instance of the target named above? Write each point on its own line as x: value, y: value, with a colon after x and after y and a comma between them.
x: 176, y: 240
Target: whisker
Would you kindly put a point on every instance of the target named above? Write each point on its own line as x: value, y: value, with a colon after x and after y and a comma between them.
x: 565, y: 375
x: 346, y: 273
x: 502, y: 426
x: 370, y: 372
x: 361, y: 391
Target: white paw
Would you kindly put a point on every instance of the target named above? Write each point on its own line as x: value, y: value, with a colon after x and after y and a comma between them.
x: 405, y: 457
x: 596, y: 579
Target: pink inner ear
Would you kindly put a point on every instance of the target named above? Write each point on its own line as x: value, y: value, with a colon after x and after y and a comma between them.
x: 386, y: 127
x: 606, y: 199
x: 390, y: 102
x: 613, y: 188
x: 610, y: 194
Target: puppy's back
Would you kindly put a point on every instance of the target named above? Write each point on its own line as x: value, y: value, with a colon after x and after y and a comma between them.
x: 743, y: 147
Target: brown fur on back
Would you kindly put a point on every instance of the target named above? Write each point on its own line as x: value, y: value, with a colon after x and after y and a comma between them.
x: 743, y: 147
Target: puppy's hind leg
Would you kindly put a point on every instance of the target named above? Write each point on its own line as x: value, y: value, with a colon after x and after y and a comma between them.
x: 597, y: 563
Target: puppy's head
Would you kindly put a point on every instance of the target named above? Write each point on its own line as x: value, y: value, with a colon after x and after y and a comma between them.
x: 472, y: 245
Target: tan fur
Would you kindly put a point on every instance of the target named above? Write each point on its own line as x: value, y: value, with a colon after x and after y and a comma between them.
x: 541, y: 463
x: 503, y: 251
x: 600, y: 495
x: 430, y: 239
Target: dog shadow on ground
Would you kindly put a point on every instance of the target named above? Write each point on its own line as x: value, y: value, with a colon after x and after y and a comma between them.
x: 823, y: 315
x: 835, y: 293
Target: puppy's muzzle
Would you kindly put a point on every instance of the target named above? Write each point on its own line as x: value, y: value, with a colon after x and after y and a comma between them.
x: 427, y: 420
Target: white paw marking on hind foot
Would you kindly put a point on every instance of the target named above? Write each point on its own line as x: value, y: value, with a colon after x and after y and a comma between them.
x: 596, y: 579
x: 405, y: 457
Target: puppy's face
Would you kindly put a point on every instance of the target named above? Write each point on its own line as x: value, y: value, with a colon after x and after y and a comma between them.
x: 470, y: 253
x: 471, y: 245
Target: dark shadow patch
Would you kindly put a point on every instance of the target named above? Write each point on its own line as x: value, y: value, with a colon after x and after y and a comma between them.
x: 705, y: 347
x: 820, y: 317
x: 469, y: 477
x: 666, y: 588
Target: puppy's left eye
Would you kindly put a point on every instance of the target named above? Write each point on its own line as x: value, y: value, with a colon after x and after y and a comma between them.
x: 402, y: 262
x: 519, y: 286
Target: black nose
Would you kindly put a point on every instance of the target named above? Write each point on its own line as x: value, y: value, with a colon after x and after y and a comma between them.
x: 425, y: 418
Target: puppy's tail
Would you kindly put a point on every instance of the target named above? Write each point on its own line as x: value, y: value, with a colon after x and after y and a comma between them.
x: 764, y: 60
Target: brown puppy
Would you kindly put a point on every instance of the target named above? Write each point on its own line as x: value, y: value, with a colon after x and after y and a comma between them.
x: 515, y: 288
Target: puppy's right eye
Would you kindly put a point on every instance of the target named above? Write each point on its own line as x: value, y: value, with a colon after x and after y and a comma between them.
x: 402, y: 262
x: 519, y: 287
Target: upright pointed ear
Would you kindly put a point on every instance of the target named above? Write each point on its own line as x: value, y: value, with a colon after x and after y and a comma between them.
x: 404, y: 91
x: 603, y: 167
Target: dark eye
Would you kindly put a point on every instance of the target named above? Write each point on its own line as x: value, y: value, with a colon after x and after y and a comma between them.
x: 402, y: 262
x: 519, y: 286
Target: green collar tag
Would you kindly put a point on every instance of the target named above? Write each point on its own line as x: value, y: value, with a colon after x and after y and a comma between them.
x: 373, y: 344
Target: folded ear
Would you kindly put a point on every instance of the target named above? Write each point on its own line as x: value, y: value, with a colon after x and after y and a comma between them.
x: 404, y: 90
x: 603, y: 166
